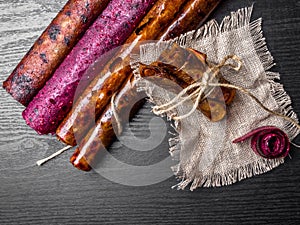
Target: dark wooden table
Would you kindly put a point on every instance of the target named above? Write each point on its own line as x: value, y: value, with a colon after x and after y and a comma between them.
x: 59, y: 194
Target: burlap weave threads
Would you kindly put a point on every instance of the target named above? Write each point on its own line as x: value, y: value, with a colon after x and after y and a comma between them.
x: 204, y: 149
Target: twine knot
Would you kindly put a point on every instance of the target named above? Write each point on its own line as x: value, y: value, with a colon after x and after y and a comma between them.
x: 202, y: 87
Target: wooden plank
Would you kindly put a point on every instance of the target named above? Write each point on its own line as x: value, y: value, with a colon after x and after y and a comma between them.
x: 59, y: 194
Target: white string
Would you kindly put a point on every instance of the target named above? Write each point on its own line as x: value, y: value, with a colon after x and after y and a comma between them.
x: 297, y: 146
x: 158, y: 109
x: 116, y: 115
x: 42, y: 161
x: 243, y: 90
x: 199, y: 98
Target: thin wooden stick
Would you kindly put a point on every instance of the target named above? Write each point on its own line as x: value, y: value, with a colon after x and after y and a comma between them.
x: 42, y: 161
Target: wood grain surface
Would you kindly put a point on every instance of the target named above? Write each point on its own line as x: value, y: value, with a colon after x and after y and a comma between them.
x: 57, y: 193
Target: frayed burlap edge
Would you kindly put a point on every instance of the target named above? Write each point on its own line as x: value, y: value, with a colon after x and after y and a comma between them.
x: 236, y: 20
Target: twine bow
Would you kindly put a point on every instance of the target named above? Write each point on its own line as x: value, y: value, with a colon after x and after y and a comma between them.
x: 201, y: 88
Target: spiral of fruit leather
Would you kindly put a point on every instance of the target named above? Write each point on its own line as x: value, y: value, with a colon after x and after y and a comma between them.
x: 268, y: 141
x: 99, y: 138
x: 50, y: 49
x: 50, y: 106
x: 178, y: 68
x: 97, y: 95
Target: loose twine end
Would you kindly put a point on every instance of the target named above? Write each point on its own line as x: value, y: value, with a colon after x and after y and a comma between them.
x: 297, y: 146
x: 119, y: 129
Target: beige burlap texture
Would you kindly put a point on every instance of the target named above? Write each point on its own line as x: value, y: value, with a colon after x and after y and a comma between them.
x: 207, y: 157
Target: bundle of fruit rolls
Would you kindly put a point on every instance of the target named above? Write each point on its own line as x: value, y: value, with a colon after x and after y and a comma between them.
x: 178, y: 68
x: 50, y: 49
x: 110, y: 29
x: 128, y: 100
x: 97, y: 95
x: 102, y: 135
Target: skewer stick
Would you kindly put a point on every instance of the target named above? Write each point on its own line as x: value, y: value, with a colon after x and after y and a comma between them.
x: 42, y: 161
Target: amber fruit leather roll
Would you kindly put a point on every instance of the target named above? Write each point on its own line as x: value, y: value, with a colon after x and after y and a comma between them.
x: 170, y: 78
x: 50, y: 49
x: 53, y: 102
x: 177, y: 68
x: 191, y: 17
x: 127, y: 102
x: 87, y: 111
x: 97, y: 95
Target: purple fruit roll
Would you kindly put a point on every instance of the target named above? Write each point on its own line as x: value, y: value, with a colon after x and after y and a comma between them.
x: 110, y: 29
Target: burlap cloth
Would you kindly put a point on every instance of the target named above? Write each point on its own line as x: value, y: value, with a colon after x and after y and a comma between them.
x: 204, y: 149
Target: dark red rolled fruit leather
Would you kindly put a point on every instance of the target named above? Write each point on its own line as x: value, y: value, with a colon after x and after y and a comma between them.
x: 90, y: 108
x: 269, y: 142
x: 128, y: 101
x: 50, y: 49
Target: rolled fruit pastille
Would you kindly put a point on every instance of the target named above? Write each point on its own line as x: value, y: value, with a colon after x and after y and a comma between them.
x: 90, y: 106
x: 178, y: 68
x: 92, y: 143
x: 50, y: 106
x: 190, y: 16
x: 97, y: 95
x: 128, y: 101
x: 169, y: 78
x: 50, y: 49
